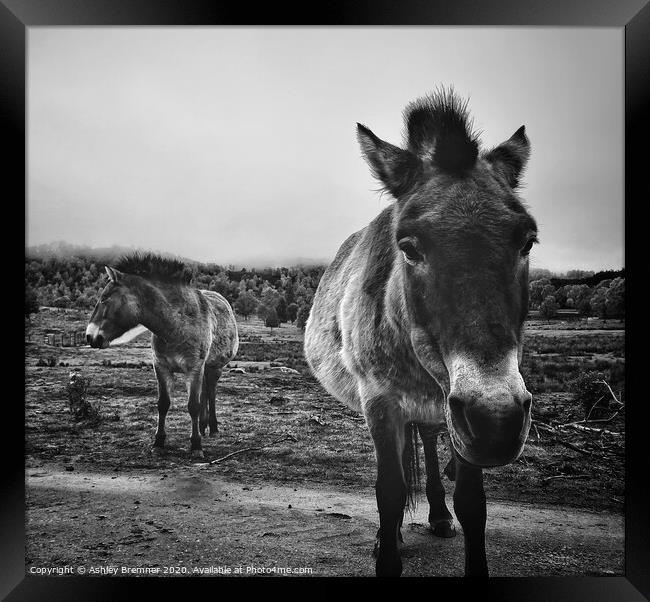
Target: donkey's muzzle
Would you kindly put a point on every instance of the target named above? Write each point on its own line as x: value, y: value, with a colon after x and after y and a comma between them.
x: 97, y: 341
x: 492, y: 431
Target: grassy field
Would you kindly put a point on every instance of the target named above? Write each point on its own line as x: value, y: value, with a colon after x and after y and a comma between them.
x: 326, y: 443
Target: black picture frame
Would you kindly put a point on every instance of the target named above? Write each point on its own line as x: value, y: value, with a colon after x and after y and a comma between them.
x: 632, y: 15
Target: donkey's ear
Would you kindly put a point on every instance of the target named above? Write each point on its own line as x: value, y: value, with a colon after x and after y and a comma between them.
x: 511, y: 156
x: 397, y: 169
x: 113, y: 274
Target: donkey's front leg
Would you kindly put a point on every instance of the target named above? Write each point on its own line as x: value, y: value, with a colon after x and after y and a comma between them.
x: 387, y: 429
x: 440, y: 519
x: 469, y: 505
x: 165, y: 385
x: 194, y: 384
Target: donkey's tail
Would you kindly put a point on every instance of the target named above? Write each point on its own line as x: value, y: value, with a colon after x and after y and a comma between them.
x: 411, y: 463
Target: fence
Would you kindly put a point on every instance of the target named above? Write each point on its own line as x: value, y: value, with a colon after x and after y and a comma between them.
x: 72, y: 339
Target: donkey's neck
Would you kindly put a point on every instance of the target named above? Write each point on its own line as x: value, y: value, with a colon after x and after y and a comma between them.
x: 158, y: 312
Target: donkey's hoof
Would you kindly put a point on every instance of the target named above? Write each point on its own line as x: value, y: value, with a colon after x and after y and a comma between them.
x: 197, y: 454
x: 157, y: 450
x: 443, y: 528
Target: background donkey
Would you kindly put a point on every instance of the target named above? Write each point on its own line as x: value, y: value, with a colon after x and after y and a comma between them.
x: 418, y: 320
x: 194, y: 332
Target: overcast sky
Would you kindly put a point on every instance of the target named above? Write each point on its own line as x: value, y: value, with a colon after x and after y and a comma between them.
x: 238, y: 145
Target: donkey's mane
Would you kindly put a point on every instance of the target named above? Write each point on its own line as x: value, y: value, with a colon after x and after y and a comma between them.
x: 438, y: 129
x: 155, y: 267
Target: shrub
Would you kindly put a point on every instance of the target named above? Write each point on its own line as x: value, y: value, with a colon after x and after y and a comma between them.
x: 80, y: 407
x: 589, y: 390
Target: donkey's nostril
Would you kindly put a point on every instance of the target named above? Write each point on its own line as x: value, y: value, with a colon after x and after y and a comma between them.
x: 455, y: 403
x: 458, y: 414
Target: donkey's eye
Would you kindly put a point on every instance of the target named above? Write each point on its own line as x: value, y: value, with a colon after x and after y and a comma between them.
x: 528, y: 246
x: 411, y: 253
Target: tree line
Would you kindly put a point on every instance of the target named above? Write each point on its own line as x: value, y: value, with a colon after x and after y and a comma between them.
x: 590, y: 296
x: 281, y: 295
x: 276, y: 295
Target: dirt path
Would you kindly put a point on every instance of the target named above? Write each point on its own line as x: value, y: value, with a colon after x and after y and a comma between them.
x: 193, y: 519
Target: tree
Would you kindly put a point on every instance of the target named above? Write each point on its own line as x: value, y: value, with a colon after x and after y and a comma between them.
x: 292, y: 312
x: 281, y: 310
x: 584, y: 306
x: 597, y: 302
x: 301, y: 318
x: 288, y: 292
x: 561, y: 295
x: 245, y: 304
x: 535, y: 290
x: 269, y: 296
x: 272, y: 319
x: 580, y: 294
x: 615, y: 299
x: 577, y: 292
x: 548, y: 290
x: 548, y: 308
x: 263, y: 310
x: 31, y: 302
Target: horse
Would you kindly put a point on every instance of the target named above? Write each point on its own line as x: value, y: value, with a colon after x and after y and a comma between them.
x: 193, y: 332
x: 417, y: 322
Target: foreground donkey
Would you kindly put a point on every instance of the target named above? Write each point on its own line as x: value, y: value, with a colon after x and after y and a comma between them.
x: 418, y: 321
x: 194, y: 332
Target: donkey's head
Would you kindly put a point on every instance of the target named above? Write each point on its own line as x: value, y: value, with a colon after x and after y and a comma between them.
x: 116, y: 312
x: 462, y: 239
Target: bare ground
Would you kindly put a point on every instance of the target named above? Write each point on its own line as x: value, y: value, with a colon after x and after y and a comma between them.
x: 191, y: 518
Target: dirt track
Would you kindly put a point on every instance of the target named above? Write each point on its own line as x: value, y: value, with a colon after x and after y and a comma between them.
x: 189, y: 517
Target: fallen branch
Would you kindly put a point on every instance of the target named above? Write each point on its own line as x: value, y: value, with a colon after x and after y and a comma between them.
x: 592, y: 421
x: 605, y: 420
x: 543, y: 425
x: 247, y: 449
x: 611, y: 392
x: 573, y: 447
x: 588, y: 429
x: 567, y: 476
x: 593, y: 407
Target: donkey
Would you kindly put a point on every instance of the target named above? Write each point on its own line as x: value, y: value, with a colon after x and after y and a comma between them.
x: 194, y: 332
x: 418, y: 321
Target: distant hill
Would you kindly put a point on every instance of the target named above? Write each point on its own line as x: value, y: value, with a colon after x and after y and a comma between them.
x: 66, y: 250
x: 62, y: 249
